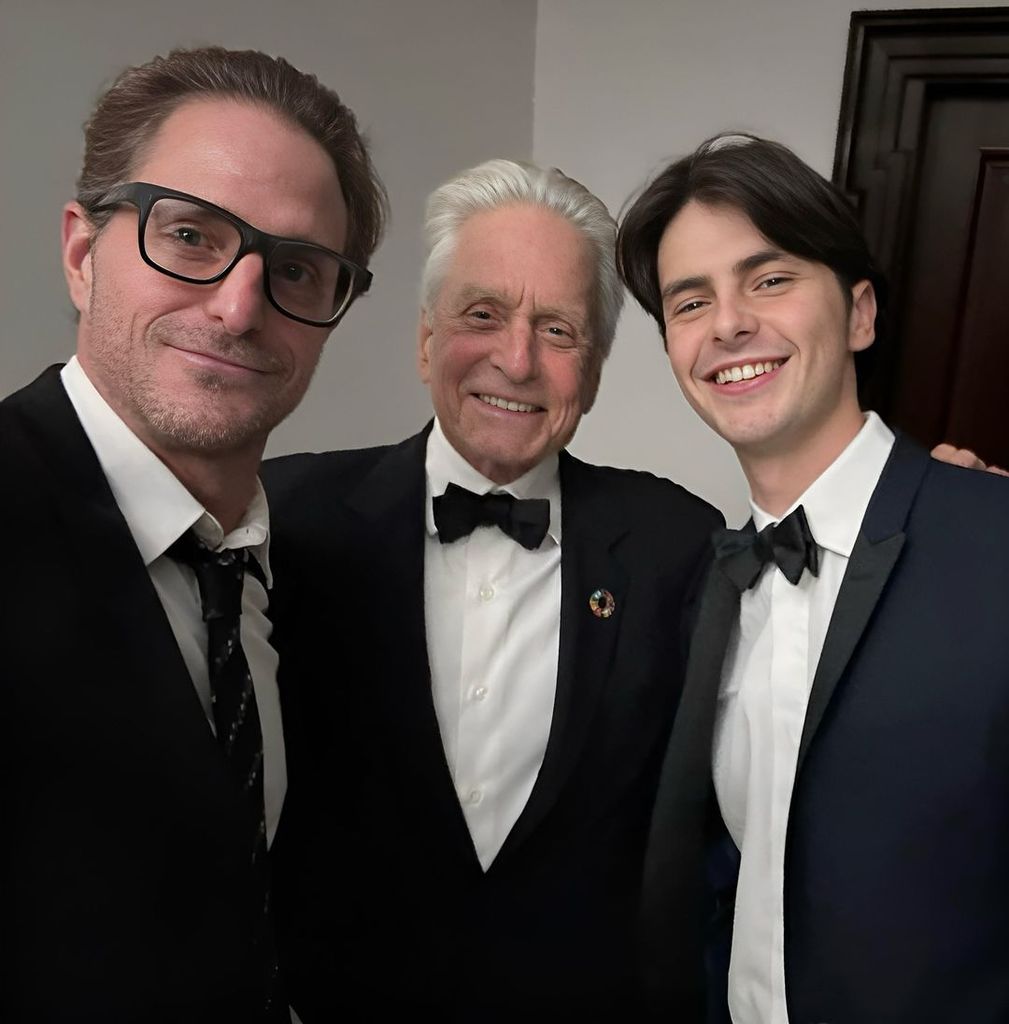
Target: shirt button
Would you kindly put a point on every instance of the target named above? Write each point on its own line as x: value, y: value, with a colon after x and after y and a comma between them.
x: 474, y: 796
x: 486, y: 592
x: 480, y: 693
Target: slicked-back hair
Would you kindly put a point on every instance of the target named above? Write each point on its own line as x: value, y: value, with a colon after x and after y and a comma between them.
x: 501, y: 183
x: 791, y: 205
x: 129, y: 114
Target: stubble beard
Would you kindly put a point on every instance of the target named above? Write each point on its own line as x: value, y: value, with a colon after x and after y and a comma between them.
x: 203, y: 420
x: 208, y: 422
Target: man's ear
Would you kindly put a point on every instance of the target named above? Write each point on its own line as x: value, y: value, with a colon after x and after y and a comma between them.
x: 424, y: 333
x: 77, y: 234
x: 861, y: 322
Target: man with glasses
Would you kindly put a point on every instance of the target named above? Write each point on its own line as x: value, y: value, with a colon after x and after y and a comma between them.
x: 225, y: 212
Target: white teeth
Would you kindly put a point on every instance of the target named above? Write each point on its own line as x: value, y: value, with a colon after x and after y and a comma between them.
x: 746, y: 371
x: 503, y: 403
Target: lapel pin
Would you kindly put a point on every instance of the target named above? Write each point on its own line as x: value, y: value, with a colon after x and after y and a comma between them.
x: 602, y: 604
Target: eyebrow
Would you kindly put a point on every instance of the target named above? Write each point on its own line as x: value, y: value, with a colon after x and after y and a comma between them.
x: 744, y: 266
x: 476, y: 293
x: 213, y: 209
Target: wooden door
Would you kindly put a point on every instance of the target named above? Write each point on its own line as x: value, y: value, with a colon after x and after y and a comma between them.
x: 923, y: 151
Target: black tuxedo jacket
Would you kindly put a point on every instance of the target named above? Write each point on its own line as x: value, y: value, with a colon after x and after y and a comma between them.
x: 896, y: 880
x: 126, y: 893
x: 395, y: 910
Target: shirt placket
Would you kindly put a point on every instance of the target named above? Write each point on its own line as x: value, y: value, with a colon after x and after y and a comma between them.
x: 479, y: 741
x: 789, y: 661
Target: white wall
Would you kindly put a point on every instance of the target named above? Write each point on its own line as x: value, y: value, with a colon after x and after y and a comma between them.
x: 623, y: 88
x: 439, y: 85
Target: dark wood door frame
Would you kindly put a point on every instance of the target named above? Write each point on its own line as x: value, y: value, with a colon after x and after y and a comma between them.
x: 897, y: 61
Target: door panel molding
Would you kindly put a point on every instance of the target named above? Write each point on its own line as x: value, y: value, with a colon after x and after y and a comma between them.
x: 898, y: 63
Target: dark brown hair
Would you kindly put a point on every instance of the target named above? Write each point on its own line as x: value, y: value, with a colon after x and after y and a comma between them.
x: 132, y: 110
x: 785, y: 199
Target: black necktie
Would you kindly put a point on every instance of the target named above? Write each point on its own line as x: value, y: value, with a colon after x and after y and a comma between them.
x: 458, y: 511
x: 742, y: 554
x: 220, y: 576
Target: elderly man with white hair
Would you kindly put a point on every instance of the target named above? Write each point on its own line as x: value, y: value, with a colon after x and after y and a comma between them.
x: 484, y: 635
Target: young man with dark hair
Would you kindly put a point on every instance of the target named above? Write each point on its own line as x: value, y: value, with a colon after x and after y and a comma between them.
x: 836, y: 769
x: 225, y: 211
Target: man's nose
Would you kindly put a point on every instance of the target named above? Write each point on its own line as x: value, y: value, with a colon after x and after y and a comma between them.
x: 734, y: 320
x: 239, y: 301
x: 516, y: 354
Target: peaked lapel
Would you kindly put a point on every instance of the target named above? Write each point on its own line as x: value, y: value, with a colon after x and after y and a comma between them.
x: 873, y: 558
x: 390, y: 505
x: 590, y: 542
x: 673, y: 901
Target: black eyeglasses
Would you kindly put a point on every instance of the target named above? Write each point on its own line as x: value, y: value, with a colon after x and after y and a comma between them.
x: 192, y: 240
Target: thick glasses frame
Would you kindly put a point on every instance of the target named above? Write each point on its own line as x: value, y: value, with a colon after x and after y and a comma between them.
x: 143, y: 196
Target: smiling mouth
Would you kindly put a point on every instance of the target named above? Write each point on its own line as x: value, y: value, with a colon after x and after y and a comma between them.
x: 745, y: 371
x: 511, y: 406
x: 219, y: 359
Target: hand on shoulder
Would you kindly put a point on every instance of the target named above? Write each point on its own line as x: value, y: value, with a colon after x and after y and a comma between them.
x: 964, y: 457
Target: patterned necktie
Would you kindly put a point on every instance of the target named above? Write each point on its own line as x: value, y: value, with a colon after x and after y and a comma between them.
x: 458, y: 512
x: 221, y: 576
x: 742, y: 554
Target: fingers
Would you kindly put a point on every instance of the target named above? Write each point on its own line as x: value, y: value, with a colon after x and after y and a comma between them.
x: 964, y: 457
x: 957, y: 456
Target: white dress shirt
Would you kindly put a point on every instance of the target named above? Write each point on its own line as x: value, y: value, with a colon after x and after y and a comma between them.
x: 158, y: 510
x: 768, y: 672
x: 492, y: 612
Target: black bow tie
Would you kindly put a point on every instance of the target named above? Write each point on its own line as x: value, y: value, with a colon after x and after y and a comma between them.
x: 742, y: 554
x: 458, y: 511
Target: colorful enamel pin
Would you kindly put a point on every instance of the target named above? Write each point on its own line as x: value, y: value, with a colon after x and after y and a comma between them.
x: 602, y: 604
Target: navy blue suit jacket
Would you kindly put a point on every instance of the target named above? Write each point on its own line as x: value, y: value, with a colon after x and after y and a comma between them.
x: 897, y: 855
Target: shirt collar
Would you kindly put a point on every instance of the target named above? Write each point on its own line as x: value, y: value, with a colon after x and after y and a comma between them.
x: 835, y: 502
x: 156, y: 506
x: 444, y: 466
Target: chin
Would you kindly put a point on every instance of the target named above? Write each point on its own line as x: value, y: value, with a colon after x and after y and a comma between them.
x: 192, y: 429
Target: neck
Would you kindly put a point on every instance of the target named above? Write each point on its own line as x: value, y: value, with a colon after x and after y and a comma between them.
x: 777, y: 478
x: 223, y: 485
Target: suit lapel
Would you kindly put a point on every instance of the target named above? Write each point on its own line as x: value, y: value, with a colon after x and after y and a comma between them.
x: 117, y: 593
x: 390, y: 504
x: 590, y: 541
x: 873, y: 558
x: 672, y: 906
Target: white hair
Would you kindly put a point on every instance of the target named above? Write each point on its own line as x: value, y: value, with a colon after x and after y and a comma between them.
x: 499, y: 183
